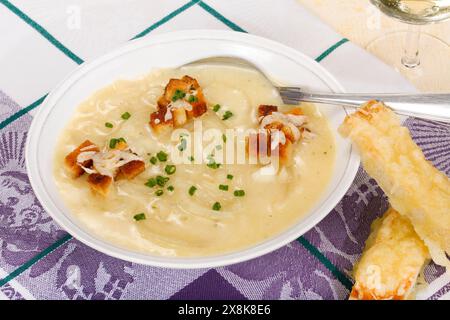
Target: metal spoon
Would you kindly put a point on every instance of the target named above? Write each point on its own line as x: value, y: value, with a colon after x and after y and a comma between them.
x: 432, y: 106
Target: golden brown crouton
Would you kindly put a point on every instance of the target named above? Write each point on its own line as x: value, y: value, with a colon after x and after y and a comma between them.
x: 265, y: 110
x: 71, y: 158
x: 131, y: 169
x: 100, y: 183
x: 158, y: 123
x: 261, y: 143
x: 185, y: 89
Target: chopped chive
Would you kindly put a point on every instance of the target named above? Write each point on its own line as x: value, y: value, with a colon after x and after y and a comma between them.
x: 161, y: 181
x: 213, y: 165
x: 139, y: 216
x: 229, y: 176
x: 159, y: 192
x: 223, y: 187
x: 162, y: 156
x: 216, y: 206
x: 170, y: 188
x: 126, y: 116
x: 153, y: 160
x: 108, y: 125
x: 239, y: 193
x: 183, y: 144
x: 112, y: 143
x: 170, y: 169
x: 227, y: 115
x: 192, y: 98
x: 151, y: 182
x: 178, y: 95
x: 224, y: 138
x: 191, y: 158
x: 192, y: 190
x: 216, y: 108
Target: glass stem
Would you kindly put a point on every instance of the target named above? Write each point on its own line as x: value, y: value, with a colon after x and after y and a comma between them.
x: 410, y: 57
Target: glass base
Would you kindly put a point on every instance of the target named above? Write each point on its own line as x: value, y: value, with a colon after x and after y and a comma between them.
x: 430, y: 74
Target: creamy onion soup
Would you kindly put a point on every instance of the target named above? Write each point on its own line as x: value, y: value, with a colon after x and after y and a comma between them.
x: 193, y: 208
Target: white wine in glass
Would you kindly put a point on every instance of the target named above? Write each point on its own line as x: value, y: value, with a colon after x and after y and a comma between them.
x: 415, y: 13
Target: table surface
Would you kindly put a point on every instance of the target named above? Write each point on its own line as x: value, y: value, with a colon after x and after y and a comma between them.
x: 361, y: 22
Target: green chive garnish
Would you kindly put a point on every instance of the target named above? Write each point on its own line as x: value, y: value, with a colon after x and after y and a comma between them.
x: 218, y: 147
x: 113, y: 142
x: 153, y: 160
x: 191, y: 158
x: 216, y: 206
x: 159, y: 192
x: 178, y: 95
x: 229, y: 176
x: 223, y: 187
x: 170, y: 169
x: 139, y: 216
x: 216, y: 108
x: 192, y: 99
x: 224, y: 138
x: 108, y: 125
x: 151, y: 182
x: 213, y: 165
x: 239, y: 193
x: 227, y: 115
x: 170, y: 188
x: 192, y: 190
x: 162, y: 156
x: 182, y: 146
x: 126, y: 116
x: 161, y: 181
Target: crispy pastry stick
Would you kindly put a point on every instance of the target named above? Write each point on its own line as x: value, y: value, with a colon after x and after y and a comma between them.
x: 416, y: 189
x: 391, y: 262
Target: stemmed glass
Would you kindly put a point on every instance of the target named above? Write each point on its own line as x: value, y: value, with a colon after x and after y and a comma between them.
x: 432, y: 61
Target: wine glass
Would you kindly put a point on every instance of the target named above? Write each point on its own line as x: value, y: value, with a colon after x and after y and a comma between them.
x: 429, y: 63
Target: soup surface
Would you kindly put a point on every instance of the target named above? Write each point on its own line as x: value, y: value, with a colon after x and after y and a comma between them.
x: 179, y: 222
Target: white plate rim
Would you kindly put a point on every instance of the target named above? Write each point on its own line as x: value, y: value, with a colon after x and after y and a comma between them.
x: 85, y: 237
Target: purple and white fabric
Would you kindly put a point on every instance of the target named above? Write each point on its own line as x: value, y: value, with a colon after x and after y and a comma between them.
x: 42, y: 41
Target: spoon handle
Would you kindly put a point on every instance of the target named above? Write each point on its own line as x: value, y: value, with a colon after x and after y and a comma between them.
x: 434, y: 106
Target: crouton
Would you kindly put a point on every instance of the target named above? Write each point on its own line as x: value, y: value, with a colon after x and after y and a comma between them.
x: 263, y: 143
x: 71, y: 159
x: 99, y: 183
x: 265, y: 110
x: 131, y: 169
x: 180, y: 117
x: 158, y: 123
x: 187, y: 93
